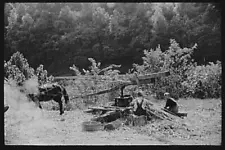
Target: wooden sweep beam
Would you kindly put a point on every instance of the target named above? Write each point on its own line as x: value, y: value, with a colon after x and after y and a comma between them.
x: 135, y: 80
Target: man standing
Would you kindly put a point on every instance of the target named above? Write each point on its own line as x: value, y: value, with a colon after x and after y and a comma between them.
x: 171, y: 104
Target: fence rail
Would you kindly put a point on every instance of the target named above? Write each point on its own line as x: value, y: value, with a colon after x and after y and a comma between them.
x: 85, y: 77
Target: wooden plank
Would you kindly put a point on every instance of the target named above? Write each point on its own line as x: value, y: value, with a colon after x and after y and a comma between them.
x: 88, y: 111
x: 156, y: 112
x: 98, y: 93
x: 108, y: 117
x: 182, y: 114
x: 103, y: 108
x: 175, y: 114
x: 98, y: 107
x: 143, y: 77
x: 133, y: 81
x: 99, y: 77
x: 150, y: 76
x: 154, y: 75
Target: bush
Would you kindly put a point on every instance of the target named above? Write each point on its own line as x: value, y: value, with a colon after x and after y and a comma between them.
x: 76, y: 70
x: 205, y: 81
x: 93, y: 82
x: 186, y: 79
x: 43, y: 75
x: 18, y: 69
x: 176, y: 59
x: 171, y: 84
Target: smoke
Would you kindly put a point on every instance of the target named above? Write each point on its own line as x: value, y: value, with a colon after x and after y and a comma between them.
x: 21, y: 108
x: 24, y: 118
x: 31, y: 85
x: 12, y: 95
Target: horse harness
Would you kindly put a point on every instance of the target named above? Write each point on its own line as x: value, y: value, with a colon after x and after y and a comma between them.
x: 45, y: 91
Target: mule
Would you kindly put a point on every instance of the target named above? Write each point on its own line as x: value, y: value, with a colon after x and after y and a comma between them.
x: 50, y: 92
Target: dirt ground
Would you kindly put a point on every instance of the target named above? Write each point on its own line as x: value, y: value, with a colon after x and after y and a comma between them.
x: 201, y: 127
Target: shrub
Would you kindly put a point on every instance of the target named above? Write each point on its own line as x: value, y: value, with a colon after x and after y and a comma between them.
x: 171, y: 84
x: 152, y: 62
x: 186, y: 79
x: 205, y: 81
x: 43, y: 75
x: 93, y: 82
x: 17, y: 68
x: 176, y: 59
x: 76, y: 70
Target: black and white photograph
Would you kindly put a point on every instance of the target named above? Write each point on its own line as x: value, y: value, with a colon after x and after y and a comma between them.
x: 112, y: 73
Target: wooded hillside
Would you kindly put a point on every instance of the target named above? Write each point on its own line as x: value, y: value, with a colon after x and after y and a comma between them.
x: 59, y: 35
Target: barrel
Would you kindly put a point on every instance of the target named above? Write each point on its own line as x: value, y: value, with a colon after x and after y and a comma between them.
x: 123, y: 101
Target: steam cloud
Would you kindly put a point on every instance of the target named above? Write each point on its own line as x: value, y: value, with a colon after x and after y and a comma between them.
x: 31, y: 85
x: 20, y: 106
x: 23, y: 114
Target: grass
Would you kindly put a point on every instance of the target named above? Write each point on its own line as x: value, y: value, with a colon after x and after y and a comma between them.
x: 202, y: 126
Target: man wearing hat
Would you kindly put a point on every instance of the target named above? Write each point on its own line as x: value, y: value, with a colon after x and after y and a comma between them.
x: 171, y: 104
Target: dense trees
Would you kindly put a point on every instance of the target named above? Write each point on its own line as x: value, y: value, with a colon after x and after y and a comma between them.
x: 59, y: 35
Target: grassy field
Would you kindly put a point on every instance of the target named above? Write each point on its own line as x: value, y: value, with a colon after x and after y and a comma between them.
x: 202, y: 126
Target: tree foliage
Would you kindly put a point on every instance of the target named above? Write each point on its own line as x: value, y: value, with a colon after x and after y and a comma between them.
x: 210, y: 78
x: 18, y: 69
x: 175, y: 59
x: 58, y: 35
